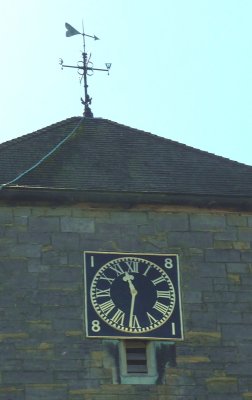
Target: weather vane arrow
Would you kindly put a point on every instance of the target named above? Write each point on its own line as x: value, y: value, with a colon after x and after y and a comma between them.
x: 71, y: 31
x: 85, y: 66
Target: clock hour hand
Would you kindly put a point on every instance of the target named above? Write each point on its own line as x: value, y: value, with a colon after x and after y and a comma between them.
x: 128, y: 278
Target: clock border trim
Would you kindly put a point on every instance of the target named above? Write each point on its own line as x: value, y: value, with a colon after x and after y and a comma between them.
x: 125, y: 337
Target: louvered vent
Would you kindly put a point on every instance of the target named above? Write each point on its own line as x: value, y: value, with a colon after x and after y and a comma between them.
x: 136, y: 357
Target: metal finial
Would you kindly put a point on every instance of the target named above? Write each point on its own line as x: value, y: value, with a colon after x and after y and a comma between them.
x: 85, y: 67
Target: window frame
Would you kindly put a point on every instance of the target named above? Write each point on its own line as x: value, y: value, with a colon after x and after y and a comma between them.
x: 149, y: 377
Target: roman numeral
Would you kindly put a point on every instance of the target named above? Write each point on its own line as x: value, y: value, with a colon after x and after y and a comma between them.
x: 132, y: 266
x: 103, y: 276
x: 164, y: 293
x: 162, y: 308
x: 135, y: 323
x: 92, y: 261
x: 147, y: 270
x: 118, y: 269
x: 152, y: 320
x: 107, y: 307
x: 102, y: 292
x: 118, y: 317
x: 158, y: 280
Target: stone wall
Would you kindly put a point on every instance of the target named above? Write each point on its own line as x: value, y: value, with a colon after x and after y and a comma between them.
x: 43, y: 351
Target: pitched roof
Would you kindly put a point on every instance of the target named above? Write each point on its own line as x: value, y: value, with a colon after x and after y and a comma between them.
x: 98, y: 155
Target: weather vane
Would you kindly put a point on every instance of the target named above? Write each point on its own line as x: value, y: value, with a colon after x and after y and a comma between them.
x: 85, y: 67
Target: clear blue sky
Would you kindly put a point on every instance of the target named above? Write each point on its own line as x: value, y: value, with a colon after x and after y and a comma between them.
x: 181, y: 69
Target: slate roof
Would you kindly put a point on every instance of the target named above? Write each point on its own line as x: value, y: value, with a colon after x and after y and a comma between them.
x: 102, y: 156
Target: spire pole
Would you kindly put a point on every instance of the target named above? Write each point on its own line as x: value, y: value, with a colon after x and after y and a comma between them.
x: 85, y: 67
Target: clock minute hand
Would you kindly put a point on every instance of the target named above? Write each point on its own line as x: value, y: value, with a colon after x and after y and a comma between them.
x: 128, y: 278
x: 133, y: 296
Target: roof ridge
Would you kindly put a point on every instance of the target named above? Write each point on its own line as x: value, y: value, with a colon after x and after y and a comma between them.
x: 36, y: 133
x: 195, y: 149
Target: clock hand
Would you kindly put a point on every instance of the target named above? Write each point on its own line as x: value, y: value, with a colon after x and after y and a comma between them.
x: 132, y: 308
x: 128, y: 278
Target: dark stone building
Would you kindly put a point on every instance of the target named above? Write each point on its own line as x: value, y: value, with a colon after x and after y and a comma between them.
x: 92, y: 185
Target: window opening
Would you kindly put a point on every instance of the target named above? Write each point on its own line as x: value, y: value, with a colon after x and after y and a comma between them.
x: 136, y: 357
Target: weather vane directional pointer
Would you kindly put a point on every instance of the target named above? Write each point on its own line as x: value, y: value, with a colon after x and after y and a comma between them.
x: 85, y: 67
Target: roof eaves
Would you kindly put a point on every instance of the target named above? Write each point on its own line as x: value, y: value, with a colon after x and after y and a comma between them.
x: 30, y: 194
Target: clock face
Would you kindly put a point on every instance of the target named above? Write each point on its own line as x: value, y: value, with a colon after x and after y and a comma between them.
x: 132, y: 295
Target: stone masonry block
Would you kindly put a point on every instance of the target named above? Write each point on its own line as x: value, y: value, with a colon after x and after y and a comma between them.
x: 225, y: 317
x: 12, y: 393
x: 223, y: 354
x: 222, y: 384
x: 246, y: 256
x: 242, y: 245
x: 204, y: 321
x: 245, y: 353
x: 247, y: 395
x: 192, y: 297
x: 240, y: 268
x: 61, y: 312
x: 24, y: 377
x: 169, y: 221
x: 43, y: 224
x: 63, y: 325
x: 25, y: 250
x: 22, y: 211
x: 65, y: 274
x: 87, y: 212
x: 223, y: 244
x: 54, y: 258
x: 207, y: 222
x: 48, y: 392
x: 205, y: 338
x: 36, y: 266
x: 71, y: 365
x: 34, y: 237
x: 241, y: 333
x: 250, y: 221
x: 6, y: 215
x: 220, y: 255
x: 212, y: 270
x: 110, y: 230
x: 190, y: 239
x: 244, y: 296
x: 223, y: 396
x: 245, y: 234
x: 241, y: 369
x: 201, y: 283
x: 79, y: 225
x: 229, y: 235
x: 246, y: 384
x: 246, y: 280
x: 21, y: 221
x: 130, y: 218
x: 12, y: 265
x: 237, y: 220
x: 56, y: 298
x: 51, y: 211
x: 66, y: 241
